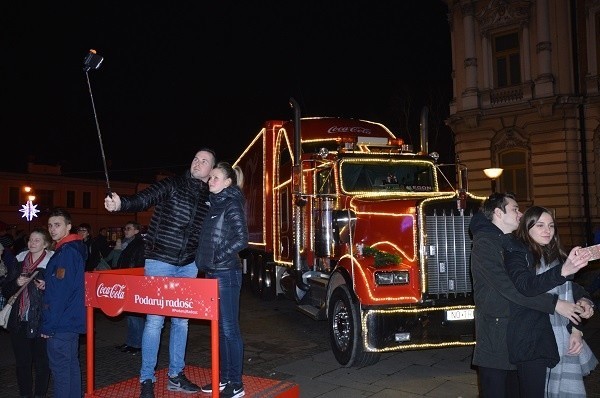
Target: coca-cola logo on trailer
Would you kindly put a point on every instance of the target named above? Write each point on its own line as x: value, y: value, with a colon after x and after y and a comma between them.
x: 349, y: 129
x: 110, y: 293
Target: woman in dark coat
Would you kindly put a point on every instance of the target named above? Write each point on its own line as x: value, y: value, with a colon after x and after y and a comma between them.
x: 28, y: 346
x: 223, y: 235
x: 536, y: 264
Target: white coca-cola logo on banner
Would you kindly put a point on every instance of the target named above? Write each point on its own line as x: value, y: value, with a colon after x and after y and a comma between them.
x: 116, y: 291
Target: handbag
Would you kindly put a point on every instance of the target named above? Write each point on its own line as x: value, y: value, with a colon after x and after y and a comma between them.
x: 5, y: 313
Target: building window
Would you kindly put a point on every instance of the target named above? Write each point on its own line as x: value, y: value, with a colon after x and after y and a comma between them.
x: 514, y: 177
x: 13, y: 196
x: 45, y: 198
x: 507, y: 60
x: 70, y: 199
x: 87, y: 200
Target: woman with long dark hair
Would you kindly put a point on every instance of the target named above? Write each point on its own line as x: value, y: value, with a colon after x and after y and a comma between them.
x: 549, y: 351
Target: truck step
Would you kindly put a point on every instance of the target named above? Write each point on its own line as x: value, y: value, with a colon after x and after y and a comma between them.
x: 318, y: 314
x: 317, y: 281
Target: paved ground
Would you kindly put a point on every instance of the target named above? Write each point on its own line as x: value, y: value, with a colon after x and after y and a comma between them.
x: 282, y: 344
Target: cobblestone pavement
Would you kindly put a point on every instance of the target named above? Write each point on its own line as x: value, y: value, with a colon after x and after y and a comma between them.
x: 283, y: 344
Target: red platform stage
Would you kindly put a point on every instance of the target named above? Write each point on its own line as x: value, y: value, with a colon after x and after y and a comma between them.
x: 116, y: 291
x: 254, y: 387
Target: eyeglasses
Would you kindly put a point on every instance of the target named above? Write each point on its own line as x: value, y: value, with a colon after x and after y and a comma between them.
x: 128, y: 228
x: 82, y: 230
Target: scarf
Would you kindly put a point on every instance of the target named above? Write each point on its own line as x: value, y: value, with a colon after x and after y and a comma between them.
x: 566, y: 378
x: 28, y: 267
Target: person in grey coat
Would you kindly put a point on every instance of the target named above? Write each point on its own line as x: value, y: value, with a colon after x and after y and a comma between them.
x: 493, y: 291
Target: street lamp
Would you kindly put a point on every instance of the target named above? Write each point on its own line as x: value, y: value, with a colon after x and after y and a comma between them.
x: 492, y: 174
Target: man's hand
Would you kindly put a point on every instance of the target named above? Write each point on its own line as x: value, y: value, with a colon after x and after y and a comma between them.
x: 569, y: 310
x: 588, y: 308
x: 112, y: 202
x: 577, y: 260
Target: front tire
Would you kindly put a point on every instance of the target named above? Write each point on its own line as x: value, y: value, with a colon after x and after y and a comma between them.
x: 345, y: 330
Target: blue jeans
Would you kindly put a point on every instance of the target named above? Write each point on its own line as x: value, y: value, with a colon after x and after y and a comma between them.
x: 63, y: 358
x: 231, y: 345
x: 135, y: 330
x: 154, y: 324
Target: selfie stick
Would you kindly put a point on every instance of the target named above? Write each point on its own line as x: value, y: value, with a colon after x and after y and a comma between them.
x: 93, y: 61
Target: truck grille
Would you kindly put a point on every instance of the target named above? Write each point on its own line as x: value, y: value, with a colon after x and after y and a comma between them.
x: 447, y: 256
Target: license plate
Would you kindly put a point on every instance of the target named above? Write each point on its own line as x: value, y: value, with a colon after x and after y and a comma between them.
x: 459, y: 315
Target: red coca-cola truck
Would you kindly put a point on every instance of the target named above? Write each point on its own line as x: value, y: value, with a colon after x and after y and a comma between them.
x: 361, y: 231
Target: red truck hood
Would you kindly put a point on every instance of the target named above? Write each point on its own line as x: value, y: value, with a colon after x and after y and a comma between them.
x: 388, y: 225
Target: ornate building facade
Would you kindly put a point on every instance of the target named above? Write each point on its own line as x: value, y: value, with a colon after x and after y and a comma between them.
x: 527, y: 100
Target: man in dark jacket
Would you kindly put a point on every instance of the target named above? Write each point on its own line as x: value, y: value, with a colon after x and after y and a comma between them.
x: 132, y: 246
x: 63, y: 305
x: 180, y: 204
x: 493, y: 291
x: 132, y: 255
x: 99, y: 248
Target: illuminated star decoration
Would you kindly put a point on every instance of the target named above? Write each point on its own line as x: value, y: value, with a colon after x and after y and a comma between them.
x: 29, y: 210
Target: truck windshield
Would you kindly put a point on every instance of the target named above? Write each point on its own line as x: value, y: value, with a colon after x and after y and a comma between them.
x: 385, y: 176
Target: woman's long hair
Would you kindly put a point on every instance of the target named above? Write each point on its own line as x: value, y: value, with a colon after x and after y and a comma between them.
x: 550, y: 252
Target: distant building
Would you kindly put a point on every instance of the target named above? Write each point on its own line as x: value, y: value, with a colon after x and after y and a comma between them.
x: 83, y: 198
x: 527, y: 100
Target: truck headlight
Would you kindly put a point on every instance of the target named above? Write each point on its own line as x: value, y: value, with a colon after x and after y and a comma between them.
x: 391, y: 277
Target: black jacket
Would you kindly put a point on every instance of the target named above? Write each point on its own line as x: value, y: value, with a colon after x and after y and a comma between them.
x: 493, y: 291
x: 35, y: 300
x: 133, y: 254
x: 98, y: 248
x: 224, y: 232
x: 181, y: 203
x: 530, y: 335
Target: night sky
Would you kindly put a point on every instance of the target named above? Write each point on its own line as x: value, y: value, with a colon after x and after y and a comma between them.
x: 180, y: 75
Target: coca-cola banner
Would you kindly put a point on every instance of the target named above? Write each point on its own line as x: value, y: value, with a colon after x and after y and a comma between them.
x: 115, y: 291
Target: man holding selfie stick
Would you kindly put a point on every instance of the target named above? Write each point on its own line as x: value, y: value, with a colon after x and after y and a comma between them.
x: 180, y: 204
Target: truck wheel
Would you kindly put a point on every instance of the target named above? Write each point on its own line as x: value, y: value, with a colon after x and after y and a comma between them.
x: 269, y: 282
x: 345, y: 330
